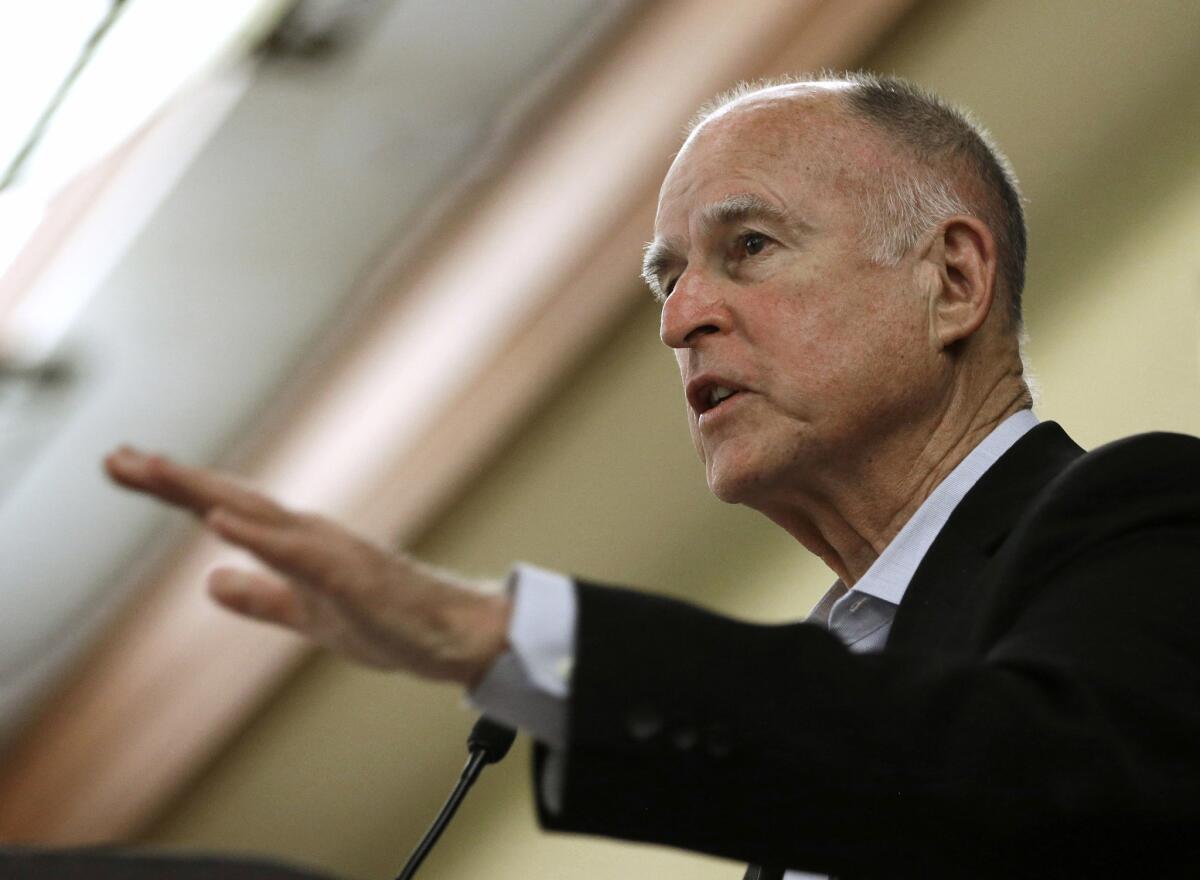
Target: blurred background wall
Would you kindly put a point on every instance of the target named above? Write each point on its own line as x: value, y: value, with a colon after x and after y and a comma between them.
x: 331, y: 765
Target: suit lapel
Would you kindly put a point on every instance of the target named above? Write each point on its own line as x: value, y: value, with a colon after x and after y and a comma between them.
x: 942, y: 586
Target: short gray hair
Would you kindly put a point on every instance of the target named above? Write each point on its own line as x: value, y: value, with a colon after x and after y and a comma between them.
x: 940, y: 139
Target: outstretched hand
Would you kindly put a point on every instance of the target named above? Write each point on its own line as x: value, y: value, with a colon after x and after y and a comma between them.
x: 373, y: 605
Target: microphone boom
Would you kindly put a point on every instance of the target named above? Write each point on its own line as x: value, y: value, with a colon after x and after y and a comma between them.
x: 487, y: 743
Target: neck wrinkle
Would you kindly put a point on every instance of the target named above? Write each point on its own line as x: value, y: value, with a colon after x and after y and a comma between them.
x: 848, y: 534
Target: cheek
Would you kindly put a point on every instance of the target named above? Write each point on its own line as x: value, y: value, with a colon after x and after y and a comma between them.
x: 847, y: 349
x: 806, y: 346
x: 886, y: 370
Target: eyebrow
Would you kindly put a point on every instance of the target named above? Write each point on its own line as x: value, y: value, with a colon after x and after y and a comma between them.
x: 742, y: 207
x: 661, y: 254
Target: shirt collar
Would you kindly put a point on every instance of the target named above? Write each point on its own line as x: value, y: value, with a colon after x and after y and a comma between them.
x: 889, y: 576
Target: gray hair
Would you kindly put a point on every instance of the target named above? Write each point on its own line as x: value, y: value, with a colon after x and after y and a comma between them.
x: 940, y: 139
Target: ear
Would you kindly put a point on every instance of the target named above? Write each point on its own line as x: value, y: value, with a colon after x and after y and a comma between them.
x: 962, y: 256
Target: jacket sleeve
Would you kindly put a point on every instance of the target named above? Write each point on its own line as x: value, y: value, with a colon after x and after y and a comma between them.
x: 1067, y: 744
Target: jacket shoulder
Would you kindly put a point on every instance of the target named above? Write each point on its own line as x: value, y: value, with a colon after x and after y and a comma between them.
x: 1131, y: 478
x: 1121, y: 519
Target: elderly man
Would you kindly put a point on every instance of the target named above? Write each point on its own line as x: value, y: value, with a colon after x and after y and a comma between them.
x: 1003, y: 680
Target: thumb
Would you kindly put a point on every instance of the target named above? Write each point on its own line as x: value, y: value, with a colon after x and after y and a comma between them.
x: 258, y: 595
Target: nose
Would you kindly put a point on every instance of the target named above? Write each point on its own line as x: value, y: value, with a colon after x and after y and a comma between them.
x: 694, y: 309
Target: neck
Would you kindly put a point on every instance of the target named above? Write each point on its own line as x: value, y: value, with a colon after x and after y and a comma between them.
x: 852, y: 515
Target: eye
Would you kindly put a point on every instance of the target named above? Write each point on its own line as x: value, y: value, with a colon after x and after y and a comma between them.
x: 754, y: 242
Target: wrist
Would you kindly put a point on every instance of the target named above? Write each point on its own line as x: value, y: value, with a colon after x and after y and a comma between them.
x: 485, y: 628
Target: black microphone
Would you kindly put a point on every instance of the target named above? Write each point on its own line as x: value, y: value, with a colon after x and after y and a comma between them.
x: 487, y: 743
x: 493, y: 739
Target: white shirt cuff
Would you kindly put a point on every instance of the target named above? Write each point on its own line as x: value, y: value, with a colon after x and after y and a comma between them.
x: 528, y: 686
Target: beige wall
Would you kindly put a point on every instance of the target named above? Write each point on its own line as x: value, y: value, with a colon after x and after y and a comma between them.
x: 1097, y: 104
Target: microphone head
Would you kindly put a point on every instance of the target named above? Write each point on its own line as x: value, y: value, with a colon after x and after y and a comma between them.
x: 492, y: 739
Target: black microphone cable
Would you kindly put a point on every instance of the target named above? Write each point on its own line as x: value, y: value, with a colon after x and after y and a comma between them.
x: 487, y: 743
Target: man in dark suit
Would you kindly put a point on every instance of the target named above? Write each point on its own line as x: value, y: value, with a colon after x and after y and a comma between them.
x: 1003, y: 681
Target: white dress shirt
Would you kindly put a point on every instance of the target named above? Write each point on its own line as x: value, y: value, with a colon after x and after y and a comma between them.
x: 529, y: 686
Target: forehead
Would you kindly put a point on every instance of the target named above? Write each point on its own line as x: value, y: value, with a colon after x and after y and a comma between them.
x: 788, y: 149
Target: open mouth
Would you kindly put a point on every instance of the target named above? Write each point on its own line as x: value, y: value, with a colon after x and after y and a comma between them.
x: 711, y: 392
x: 714, y: 397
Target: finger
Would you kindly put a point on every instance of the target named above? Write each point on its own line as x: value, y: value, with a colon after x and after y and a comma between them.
x: 303, y: 547
x: 260, y: 596
x: 196, y: 489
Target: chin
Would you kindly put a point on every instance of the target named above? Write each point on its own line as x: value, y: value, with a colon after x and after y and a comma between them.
x: 731, y: 485
x: 753, y: 478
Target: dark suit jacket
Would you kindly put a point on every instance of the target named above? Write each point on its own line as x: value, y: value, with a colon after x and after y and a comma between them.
x: 1036, y: 711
